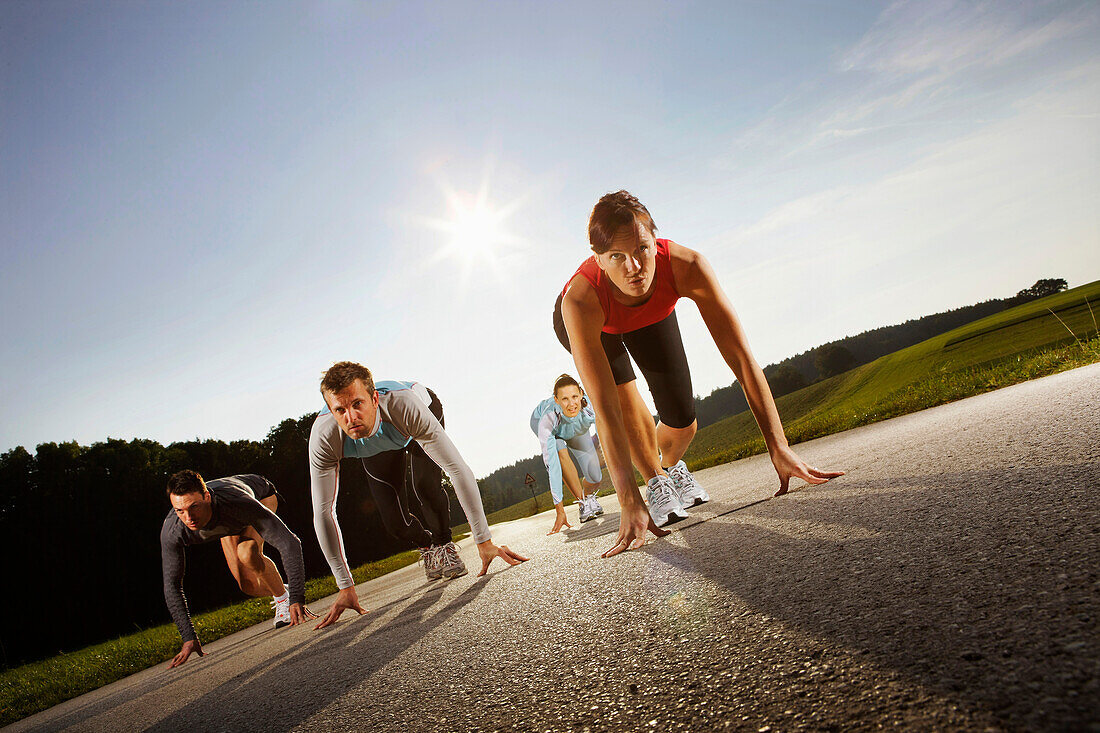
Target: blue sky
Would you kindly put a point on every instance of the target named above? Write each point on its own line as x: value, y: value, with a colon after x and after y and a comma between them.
x: 204, y: 205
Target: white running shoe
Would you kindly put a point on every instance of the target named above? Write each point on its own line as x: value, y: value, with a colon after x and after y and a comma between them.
x: 431, y: 557
x: 664, y: 505
x: 687, y: 488
x: 586, y: 509
x: 282, y: 610
x: 597, y: 510
x: 451, y: 565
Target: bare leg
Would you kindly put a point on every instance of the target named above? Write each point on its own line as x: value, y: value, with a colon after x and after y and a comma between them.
x: 640, y: 430
x: 674, y: 442
x: 254, y: 572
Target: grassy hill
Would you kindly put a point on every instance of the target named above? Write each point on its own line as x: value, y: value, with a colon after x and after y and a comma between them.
x: 1008, y: 347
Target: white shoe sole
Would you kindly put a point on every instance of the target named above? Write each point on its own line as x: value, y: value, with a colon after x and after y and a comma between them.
x: 671, y: 518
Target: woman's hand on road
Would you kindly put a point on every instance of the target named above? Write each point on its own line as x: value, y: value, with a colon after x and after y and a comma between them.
x: 634, y: 520
x: 788, y: 465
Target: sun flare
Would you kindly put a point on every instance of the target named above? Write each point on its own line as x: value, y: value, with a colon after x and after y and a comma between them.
x: 475, y: 231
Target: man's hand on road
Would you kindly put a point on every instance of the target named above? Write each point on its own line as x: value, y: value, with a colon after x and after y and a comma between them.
x: 634, y: 520
x: 346, y: 599
x: 489, y: 552
x: 185, y: 651
x: 299, y: 614
x: 788, y: 465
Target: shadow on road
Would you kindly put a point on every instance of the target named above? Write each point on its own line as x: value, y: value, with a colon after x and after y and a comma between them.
x: 603, y: 525
x: 980, y: 585
x: 309, y: 677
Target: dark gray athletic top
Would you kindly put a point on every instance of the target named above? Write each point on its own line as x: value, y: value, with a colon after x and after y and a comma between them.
x: 236, y: 506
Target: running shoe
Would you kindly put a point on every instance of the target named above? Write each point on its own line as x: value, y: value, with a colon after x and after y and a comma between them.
x: 282, y: 609
x: 664, y: 506
x: 586, y: 509
x: 687, y: 488
x: 431, y: 557
x: 597, y: 510
x: 451, y: 564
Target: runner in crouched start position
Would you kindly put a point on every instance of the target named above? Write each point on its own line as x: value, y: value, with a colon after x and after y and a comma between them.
x: 389, y: 425
x: 561, y: 424
x: 621, y: 304
x: 239, y: 511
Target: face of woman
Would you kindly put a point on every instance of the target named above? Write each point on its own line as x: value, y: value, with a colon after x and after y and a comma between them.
x: 569, y: 400
x: 630, y: 263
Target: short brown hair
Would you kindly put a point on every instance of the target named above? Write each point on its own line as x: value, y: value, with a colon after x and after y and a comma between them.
x: 342, y: 374
x: 611, y: 213
x: 564, y: 380
x: 186, y: 482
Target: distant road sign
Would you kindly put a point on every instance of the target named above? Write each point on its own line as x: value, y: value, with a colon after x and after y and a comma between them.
x: 530, y: 480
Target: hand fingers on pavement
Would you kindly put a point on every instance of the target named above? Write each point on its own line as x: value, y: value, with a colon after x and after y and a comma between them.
x: 330, y: 618
x: 658, y: 530
x: 615, y: 549
x: 512, y: 555
x: 826, y: 474
x: 484, y: 567
x: 784, y: 482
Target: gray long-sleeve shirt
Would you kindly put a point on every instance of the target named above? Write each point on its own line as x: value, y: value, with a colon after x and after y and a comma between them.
x: 403, y: 416
x: 235, y: 507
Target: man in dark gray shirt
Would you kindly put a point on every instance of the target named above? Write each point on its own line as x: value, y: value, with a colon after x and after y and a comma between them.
x: 240, y: 512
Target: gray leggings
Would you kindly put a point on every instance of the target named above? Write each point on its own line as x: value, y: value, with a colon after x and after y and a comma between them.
x: 582, y: 449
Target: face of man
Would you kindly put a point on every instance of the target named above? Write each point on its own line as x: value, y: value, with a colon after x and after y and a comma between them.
x: 354, y: 408
x: 569, y: 400
x: 193, y: 509
x: 630, y: 263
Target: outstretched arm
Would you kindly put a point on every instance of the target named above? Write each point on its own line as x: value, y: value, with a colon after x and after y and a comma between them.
x: 550, y: 458
x: 172, y: 562
x: 583, y: 322
x: 695, y: 279
x: 325, y: 450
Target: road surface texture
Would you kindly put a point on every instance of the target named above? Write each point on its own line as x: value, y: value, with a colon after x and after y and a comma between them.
x: 948, y: 582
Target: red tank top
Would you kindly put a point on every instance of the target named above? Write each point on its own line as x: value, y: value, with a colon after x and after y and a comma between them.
x: 620, y: 318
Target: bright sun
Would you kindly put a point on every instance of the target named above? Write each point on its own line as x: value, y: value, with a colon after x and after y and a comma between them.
x: 475, y: 231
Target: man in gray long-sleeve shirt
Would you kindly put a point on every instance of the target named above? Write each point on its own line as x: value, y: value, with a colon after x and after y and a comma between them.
x: 240, y: 512
x: 378, y: 423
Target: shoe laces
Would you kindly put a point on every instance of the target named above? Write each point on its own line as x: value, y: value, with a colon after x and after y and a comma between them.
x: 660, y: 491
x: 680, y: 474
x: 450, y: 551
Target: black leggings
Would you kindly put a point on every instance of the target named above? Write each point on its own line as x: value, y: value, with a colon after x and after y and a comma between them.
x: 658, y: 350
x: 390, y: 484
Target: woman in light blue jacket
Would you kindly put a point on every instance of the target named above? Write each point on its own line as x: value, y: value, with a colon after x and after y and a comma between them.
x: 569, y: 452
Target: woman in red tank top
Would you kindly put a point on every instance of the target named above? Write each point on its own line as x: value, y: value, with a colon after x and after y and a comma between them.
x: 622, y: 299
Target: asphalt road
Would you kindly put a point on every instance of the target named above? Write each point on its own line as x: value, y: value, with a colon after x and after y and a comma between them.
x: 949, y: 581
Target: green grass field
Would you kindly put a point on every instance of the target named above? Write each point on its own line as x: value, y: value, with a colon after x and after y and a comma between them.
x: 1029, y: 341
